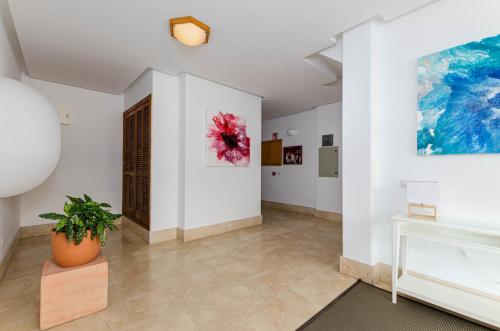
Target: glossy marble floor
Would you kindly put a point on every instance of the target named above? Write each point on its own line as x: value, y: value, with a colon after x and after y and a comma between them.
x: 269, y: 277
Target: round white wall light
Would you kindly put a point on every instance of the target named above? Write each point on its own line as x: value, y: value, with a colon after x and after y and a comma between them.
x: 30, y: 138
x: 291, y: 132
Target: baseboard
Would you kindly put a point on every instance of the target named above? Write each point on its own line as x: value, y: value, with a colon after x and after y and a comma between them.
x: 36, y: 230
x: 150, y: 237
x: 379, y: 275
x: 327, y: 215
x: 180, y: 234
x: 29, y: 231
x: 162, y: 235
x: 153, y: 237
x: 289, y: 207
x: 4, y: 264
x: 139, y: 231
x: 215, y: 229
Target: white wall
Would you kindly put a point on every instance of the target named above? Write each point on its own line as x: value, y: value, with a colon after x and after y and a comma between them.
x: 139, y: 89
x: 9, y: 222
x: 9, y: 207
x: 469, y: 184
x: 165, y: 177
x: 218, y: 194
x: 296, y: 184
x: 300, y: 184
x: 181, y: 161
x: 329, y: 189
x: 91, y: 155
x: 185, y: 193
x: 8, y: 62
x: 358, y: 123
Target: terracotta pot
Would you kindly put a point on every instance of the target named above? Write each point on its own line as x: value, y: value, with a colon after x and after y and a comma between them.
x: 69, y: 255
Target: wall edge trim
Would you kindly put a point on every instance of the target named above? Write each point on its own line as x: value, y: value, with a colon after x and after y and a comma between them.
x: 5, y: 262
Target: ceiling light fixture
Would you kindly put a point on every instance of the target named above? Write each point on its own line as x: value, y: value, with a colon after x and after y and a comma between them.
x: 189, y: 31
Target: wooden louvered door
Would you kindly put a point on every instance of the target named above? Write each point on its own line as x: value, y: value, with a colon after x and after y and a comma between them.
x: 137, y: 162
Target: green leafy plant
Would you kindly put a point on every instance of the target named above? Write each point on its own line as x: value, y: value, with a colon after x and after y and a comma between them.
x: 81, y: 215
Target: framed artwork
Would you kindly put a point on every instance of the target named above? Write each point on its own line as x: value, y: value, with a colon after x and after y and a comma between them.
x: 226, y: 140
x: 292, y: 155
x: 459, y: 99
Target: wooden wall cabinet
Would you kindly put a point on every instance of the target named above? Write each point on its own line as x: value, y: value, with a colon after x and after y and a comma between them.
x: 137, y: 162
x: 272, y: 153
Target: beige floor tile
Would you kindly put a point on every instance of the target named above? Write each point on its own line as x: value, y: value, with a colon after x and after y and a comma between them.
x: 94, y: 322
x: 269, y: 277
x: 290, y: 310
x: 178, y: 321
x: 322, y: 287
x: 120, y: 317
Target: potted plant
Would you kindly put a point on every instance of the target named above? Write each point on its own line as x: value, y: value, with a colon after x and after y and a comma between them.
x: 80, y: 231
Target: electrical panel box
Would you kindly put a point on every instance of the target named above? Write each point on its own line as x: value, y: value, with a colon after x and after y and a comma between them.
x: 328, y: 161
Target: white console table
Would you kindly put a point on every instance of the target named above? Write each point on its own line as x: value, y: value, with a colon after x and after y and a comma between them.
x: 452, y: 232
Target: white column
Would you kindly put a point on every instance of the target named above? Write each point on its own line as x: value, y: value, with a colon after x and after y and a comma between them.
x: 359, y: 159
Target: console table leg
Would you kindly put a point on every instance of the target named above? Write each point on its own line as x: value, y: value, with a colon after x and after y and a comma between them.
x: 404, y: 255
x: 395, y: 260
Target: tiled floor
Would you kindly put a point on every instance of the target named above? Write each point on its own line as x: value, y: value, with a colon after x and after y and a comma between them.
x: 269, y: 277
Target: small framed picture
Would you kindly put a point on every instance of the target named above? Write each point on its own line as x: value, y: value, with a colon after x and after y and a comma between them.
x: 275, y: 136
x: 423, y: 197
x: 418, y: 210
x: 292, y: 155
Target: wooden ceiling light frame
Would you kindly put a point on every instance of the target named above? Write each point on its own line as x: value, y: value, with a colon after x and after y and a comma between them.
x: 189, y: 19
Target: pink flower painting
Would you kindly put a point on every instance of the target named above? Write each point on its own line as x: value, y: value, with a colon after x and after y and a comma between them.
x: 227, y: 143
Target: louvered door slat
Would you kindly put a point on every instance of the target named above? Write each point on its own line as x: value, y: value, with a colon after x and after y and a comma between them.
x: 139, y: 146
x: 146, y: 138
x: 137, y: 162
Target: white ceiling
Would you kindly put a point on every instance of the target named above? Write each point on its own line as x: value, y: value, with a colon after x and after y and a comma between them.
x: 256, y: 46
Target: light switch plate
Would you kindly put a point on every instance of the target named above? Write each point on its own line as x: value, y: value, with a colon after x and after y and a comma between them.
x: 64, y: 116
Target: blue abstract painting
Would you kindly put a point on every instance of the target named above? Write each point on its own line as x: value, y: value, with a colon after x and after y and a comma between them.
x: 459, y: 99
